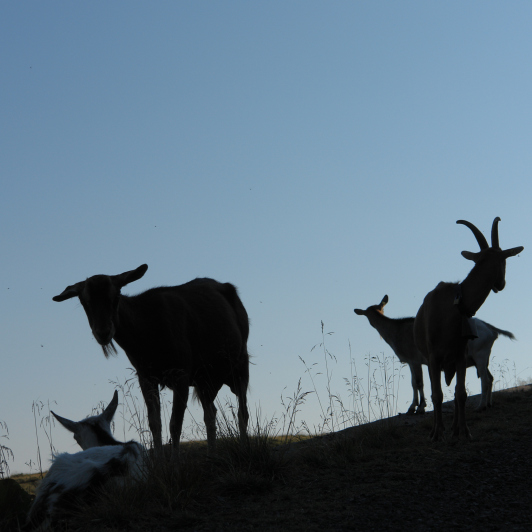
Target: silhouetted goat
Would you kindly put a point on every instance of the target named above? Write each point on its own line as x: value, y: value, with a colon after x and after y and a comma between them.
x: 74, y: 476
x: 194, y: 334
x: 399, y: 335
x: 443, y: 323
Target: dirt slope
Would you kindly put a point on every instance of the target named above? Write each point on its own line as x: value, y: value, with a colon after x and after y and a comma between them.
x: 383, y: 476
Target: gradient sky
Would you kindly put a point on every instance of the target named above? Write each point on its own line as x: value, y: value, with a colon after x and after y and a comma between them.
x: 315, y: 154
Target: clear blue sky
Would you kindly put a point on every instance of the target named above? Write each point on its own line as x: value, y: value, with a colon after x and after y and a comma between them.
x: 315, y: 154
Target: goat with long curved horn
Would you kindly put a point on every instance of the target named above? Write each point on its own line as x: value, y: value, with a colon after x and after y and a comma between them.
x: 399, y: 335
x: 442, y: 326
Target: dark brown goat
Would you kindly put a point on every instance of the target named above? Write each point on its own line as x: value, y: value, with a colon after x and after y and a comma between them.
x: 442, y: 326
x: 399, y: 335
x: 194, y: 334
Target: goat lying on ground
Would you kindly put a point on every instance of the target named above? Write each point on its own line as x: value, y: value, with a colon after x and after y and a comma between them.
x: 194, y: 334
x: 443, y: 326
x: 73, y: 476
x: 399, y: 335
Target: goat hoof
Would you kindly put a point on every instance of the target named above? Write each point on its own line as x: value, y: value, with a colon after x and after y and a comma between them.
x: 461, y: 434
x: 420, y: 411
x: 436, y: 437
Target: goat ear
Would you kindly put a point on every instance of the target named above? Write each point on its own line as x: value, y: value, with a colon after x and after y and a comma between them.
x: 70, y: 291
x: 360, y: 312
x: 69, y: 425
x: 469, y: 255
x: 128, y: 277
x: 109, y: 412
x: 512, y: 252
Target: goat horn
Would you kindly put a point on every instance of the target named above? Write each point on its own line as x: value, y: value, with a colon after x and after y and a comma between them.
x: 495, y: 233
x: 481, y: 239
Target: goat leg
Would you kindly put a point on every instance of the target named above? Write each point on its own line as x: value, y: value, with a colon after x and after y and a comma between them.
x: 437, y: 399
x: 459, y: 426
x: 150, y: 392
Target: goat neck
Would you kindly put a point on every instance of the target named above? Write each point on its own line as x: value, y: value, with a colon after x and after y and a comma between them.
x: 475, y: 289
x: 384, y: 325
x: 131, y: 330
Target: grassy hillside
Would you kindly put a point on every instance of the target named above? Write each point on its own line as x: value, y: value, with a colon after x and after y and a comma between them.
x: 380, y: 476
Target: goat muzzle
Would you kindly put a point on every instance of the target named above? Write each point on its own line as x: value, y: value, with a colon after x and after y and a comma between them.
x: 104, y: 337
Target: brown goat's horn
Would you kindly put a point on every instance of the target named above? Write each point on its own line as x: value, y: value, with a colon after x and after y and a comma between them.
x: 495, y: 233
x: 481, y: 239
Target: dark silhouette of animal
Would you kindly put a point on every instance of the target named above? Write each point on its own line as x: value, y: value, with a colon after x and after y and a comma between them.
x: 194, y: 334
x: 78, y: 475
x: 443, y: 326
x: 399, y: 335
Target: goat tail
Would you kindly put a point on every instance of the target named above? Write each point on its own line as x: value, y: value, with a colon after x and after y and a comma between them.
x: 230, y: 293
x: 498, y: 332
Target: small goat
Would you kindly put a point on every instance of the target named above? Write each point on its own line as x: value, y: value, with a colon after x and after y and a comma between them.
x: 73, y: 476
x: 399, y: 335
x: 194, y: 334
x: 443, y: 323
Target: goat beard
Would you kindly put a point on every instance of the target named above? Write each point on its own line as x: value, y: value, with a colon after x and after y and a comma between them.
x: 109, y: 349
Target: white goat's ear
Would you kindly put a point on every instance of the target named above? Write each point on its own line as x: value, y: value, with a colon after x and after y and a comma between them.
x: 72, y: 426
x: 469, y: 255
x: 109, y: 412
x: 70, y: 291
x: 122, y: 279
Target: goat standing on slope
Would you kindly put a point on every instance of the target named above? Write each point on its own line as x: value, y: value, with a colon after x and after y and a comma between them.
x: 442, y: 326
x: 194, y: 334
x: 399, y: 335
x: 73, y: 476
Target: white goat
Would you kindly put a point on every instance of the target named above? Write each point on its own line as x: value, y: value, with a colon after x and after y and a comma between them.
x: 478, y: 354
x: 72, y: 476
x: 399, y: 335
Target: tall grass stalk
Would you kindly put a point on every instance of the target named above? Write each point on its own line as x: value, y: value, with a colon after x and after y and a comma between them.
x: 36, y: 409
x: 292, y: 406
x: 377, y: 399
x: 507, y: 374
x: 5, y: 452
x: 133, y: 411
